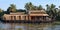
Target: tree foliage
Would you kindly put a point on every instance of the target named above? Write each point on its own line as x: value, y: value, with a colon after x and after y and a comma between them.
x: 40, y: 7
x: 52, y: 11
x: 30, y: 6
x: 1, y: 12
x: 12, y: 8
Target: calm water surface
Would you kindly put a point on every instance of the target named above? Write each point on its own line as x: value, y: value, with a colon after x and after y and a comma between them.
x: 26, y: 26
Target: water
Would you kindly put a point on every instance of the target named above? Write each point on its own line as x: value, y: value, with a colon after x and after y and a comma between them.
x: 26, y: 26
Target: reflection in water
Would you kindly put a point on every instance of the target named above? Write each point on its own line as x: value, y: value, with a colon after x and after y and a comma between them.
x: 22, y: 26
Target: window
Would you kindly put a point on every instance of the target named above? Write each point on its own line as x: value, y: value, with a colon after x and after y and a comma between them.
x: 19, y: 17
x: 11, y: 17
x: 14, y: 17
x: 24, y: 17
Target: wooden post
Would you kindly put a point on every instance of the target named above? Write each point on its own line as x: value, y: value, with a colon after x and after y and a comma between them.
x: 21, y: 17
x: 29, y: 17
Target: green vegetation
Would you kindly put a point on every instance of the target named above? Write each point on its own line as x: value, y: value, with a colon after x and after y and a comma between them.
x: 56, y: 23
x: 12, y: 8
x: 1, y: 13
x: 20, y: 29
x: 30, y: 6
x: 52, y: 11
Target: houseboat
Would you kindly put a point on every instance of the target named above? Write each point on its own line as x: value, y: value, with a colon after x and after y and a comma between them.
x: 30, y: 16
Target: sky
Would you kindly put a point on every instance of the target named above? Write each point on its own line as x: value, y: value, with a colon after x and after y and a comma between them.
x: 4, y: 4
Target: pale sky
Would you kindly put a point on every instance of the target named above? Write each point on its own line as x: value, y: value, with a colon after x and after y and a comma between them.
x: 4, y: 4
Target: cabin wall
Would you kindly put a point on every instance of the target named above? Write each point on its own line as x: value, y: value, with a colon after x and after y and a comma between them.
x: 15, y: 17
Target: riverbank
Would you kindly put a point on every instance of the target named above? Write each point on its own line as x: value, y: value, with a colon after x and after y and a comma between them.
x: 56, y: 22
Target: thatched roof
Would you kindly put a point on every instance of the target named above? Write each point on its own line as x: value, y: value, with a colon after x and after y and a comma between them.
x: 18, y: 13
x: 34, y: 13
x: 39, y: 15
x: 40, y: 11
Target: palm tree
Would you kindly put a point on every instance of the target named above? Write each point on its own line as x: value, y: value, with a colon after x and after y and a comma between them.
x: 12, y: 8
x: 26, y: 6
x: 1, y: 10
x: 59, y: 11
x: 35, y: 8
x: 29, y: 6
x: 1, y: 13
x: 52, y: 11
x: 40, y: 7
x: 58, y: 14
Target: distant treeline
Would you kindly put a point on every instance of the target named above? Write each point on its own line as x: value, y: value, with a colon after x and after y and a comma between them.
x: 51, y: 10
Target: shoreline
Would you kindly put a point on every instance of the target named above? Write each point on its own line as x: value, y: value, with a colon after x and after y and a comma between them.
x: 24, y: 21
